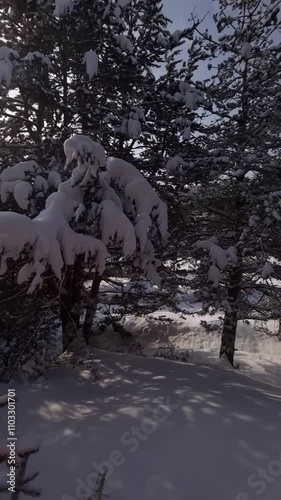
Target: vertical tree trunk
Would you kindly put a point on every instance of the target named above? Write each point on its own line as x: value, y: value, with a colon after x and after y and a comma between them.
x: 68, y: 328
x: 76, y: 290
x: 91, y: 307
x: 230, y: 319
x: 229, y: 335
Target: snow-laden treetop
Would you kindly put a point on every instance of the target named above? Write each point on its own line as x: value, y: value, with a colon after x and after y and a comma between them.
x: 109, y: 198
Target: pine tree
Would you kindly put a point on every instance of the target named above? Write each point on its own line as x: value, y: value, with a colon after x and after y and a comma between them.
x: 87, y: 69
x: 103, y: 206
x: 238, y: 172
x: 90, y: 68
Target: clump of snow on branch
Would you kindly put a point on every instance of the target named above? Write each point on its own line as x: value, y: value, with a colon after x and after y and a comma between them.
x: 14, y: 181
x: 175, y: 163
x: 246, y: 51
x: 38, y: 56
x: 54, y: 179
x: 186, y: 133
x: 63, y: 6
x: 7, y: 61
x: 219, y: 256
x: 231, y: 253
x: 143, y: 223
x: 214, y: 276
x: 132, y: 127
x: 138, y: 190
x: 21, y: 190
x: 121, y: 172
x: 162, y: 40
x: 90, y: 155
x: 189, y: 96
x: 125, y: 43
x: 108, y: 193
x: 49, y: 240
x: 148, y: 263
x: 123, y: 3
x: 92, y: 63
x: 206, y: 244
x: 267, y: 271
x: 19, y: 171
x: 115, y: 225
x: 177, y: 35
x: 41, y: 184
x: 16, y: 232
x: 56, y: 243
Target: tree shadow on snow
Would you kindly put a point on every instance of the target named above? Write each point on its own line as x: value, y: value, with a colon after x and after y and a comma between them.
x: 165, y: 430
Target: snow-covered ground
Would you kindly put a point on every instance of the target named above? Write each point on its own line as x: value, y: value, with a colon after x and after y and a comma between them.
x: 258, y: 351
x: 165, y: 430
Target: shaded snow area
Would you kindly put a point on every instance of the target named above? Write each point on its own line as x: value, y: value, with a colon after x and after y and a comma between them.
x: 165, y: 431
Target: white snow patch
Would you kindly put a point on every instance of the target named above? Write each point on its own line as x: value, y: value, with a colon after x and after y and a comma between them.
x: 92, y: 63
x: 214, y: 275
x: 246, y: 51
x: 7, y: 55
x: 134, y: 128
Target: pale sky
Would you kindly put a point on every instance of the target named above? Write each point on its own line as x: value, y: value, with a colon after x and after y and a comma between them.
x: 179, y: 10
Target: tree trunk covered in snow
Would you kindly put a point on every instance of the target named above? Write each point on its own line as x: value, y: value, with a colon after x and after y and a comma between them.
x: 230, y: 319
x: 91, y: 307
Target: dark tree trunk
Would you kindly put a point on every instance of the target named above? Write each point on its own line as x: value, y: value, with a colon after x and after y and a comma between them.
x: 68, y: 326
x: 228, y: 336
x: 230, y: 319
x: 91, y: 307
x: 76, y: 290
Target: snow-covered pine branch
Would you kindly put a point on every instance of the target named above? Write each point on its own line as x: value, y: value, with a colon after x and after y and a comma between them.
x: 51, y: 242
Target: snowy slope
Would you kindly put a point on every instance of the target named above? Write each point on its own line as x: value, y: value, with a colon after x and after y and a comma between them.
x: 258, y: 353
x: 175, y: 431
